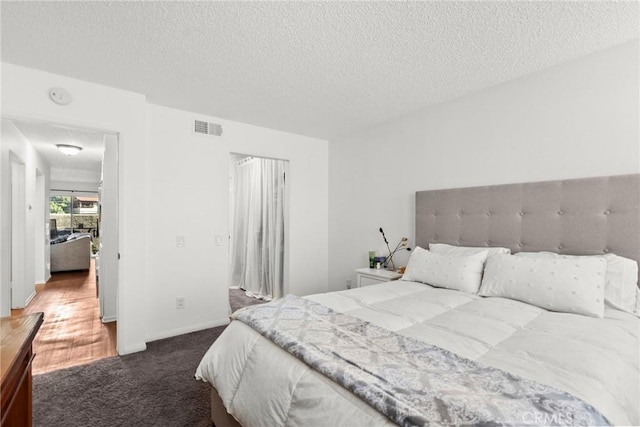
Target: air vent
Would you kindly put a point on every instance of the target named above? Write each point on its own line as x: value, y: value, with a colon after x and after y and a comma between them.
x: 205, y: 128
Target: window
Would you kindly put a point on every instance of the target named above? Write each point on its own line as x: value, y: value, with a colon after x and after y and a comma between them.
x: 73, y: 214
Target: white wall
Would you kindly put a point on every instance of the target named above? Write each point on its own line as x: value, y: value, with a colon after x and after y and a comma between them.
x: 577, y: 119
x: 14, y: 142
x: 24, y: 95
x: 189, y: 196
x: 89, y: 187
x: 42, y: 248
x: 108, y: 258
x: 174, y: 182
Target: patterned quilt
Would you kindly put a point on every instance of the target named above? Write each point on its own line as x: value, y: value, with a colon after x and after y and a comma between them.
x: 411, y: 382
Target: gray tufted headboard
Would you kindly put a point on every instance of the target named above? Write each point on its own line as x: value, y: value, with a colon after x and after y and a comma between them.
x: 586, y: 216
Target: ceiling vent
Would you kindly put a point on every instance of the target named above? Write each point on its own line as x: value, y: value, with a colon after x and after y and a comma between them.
x: 206, y: 128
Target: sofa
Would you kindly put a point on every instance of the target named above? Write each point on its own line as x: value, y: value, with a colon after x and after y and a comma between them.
x: 73, y: 253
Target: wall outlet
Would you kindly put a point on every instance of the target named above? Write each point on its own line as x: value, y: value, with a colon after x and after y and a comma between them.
x: 348, y: 283
x: 180, y: 303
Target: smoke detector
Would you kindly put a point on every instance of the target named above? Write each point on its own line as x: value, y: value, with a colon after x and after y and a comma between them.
x: 60, y: 96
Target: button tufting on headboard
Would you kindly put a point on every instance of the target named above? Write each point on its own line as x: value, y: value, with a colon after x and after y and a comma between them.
x: 562, y: 216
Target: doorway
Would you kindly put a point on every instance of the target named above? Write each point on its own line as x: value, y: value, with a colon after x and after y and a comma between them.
x: 259, y: 221
x: 76, y: 201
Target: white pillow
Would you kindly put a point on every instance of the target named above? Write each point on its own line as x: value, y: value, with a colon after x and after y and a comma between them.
x: 443, y: 248
x: 621, y: 284
x: 621, y: 281
x: 570, y: 285
x: 459, y: 272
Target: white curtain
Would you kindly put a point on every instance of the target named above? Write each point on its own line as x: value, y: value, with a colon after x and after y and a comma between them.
x: 257, y: 240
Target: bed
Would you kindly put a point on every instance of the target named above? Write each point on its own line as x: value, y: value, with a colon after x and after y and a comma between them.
x: 581, y: 353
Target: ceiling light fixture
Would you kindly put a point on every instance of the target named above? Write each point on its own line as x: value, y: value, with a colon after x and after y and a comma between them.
x: 69, y: 150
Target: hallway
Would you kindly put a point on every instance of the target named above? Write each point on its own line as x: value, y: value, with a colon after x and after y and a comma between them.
x: 72, y: 333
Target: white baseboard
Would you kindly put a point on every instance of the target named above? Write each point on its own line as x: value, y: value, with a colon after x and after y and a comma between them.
x: 136, y: 348
x: 32, y: 296
x: 107, y: 319
x: 44, y: 282
x: 187, y: 329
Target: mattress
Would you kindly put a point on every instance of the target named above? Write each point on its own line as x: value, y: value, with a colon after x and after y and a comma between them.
x: 596, y: 360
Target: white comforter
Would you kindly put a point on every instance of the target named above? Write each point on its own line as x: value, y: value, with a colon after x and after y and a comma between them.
x: 596, y: 360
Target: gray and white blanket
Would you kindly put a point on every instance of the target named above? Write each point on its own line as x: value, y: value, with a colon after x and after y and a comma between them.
x: 411, y: 382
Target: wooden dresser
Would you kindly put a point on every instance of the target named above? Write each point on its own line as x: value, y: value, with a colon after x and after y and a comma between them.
x: 16, y: 354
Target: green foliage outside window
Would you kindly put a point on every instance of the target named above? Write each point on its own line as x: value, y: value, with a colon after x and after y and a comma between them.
x: 60, y: 204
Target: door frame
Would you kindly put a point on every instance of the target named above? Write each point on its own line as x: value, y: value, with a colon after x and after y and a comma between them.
x: 120, y: 158
x: 18, y: 228
x: 41, y: 243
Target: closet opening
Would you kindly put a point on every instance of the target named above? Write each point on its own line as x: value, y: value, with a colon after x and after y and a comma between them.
x: 258, y: 229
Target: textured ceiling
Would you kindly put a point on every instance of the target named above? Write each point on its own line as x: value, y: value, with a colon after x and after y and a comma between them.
x: 322, y: 69
x: 86, y: 166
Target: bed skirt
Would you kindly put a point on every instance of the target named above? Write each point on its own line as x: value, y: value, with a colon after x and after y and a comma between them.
x: 219, y: 415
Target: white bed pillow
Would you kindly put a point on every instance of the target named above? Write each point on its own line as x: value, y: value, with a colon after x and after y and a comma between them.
x: 570, y: 285
x: 459, y: 272
x: 444, y: 249
x: 621, y: 280
x: 621, y: 284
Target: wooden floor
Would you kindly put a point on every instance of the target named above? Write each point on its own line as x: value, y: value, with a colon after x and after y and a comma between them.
x: 72, y: 333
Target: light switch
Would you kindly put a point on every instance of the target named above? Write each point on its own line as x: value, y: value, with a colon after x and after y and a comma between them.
x: 218, y: 240
x: 180, y: 241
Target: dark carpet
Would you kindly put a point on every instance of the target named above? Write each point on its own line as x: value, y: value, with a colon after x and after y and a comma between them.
x: 238, y: 299
x: 155, y: 387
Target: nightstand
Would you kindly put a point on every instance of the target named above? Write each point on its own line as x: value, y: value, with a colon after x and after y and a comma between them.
x: 373, y: 276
